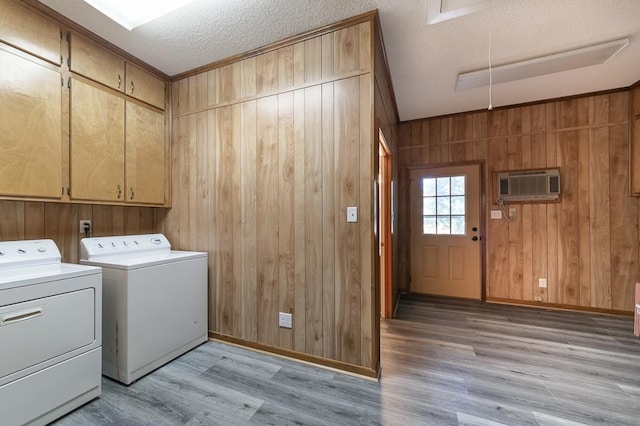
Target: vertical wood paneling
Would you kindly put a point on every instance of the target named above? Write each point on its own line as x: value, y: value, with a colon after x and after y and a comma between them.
x: 12, y: 223
x: 285, y: 67
x: 347, y: 52
x: 369, y: 311
x: 286, y: 216
x: 328, y: 57
x: 236, y: 208
x: 584, y: 215
x: 347, y: 253
x: 329, y: 241
x: 314, y: 141
x: 624, y: 230
x: 600, y: 230
x: 552, y: 213
x: 313, y: 59
x: 568, y: 220
x: 248, y: 214
x: 248, y: 75
x: 213, y: 219
x: 224, y: 168
x: 498, y: 241
x: 33, y: 220
x: 299, y: 207
x: 267, y: 220
x: 267, y: 72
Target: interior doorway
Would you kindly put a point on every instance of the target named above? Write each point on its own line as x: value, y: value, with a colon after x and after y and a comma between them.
x: 385, y: 225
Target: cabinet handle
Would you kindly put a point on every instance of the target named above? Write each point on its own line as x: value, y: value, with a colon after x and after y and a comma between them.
x: 132, y: 87
x: 131, y: 189
x: 119, y: 191
x: 119, y: 81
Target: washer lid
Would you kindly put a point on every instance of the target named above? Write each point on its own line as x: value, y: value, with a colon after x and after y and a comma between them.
x: 37, y: 274
x: 143, y: 260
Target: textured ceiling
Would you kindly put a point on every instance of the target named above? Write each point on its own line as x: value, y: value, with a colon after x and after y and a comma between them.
x: 424, y: 60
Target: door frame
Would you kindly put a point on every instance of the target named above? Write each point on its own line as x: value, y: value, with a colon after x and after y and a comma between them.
x: 483, y: 217
x: 385, y: 224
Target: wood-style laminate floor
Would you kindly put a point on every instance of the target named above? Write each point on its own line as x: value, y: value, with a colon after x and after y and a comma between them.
x: 444, y: 362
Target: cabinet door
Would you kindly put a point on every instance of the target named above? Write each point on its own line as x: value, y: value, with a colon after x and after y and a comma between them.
x: 145, y: 160
x: 97, y: 143
x: 30, y: 128
x: 28, y: 31
x: 144, y: 86
x: 96, y: 63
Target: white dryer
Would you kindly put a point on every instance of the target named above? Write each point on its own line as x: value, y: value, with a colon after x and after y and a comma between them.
x: 154, y: 302
x: 50, y: 333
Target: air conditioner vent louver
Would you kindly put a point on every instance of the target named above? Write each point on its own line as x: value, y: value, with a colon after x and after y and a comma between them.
x: 530, y: 185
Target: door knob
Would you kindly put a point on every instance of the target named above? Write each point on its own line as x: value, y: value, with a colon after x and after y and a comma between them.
x: 474, y: 238
x: 474, y: 229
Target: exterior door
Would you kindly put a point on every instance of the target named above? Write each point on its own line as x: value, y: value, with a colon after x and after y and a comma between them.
x: 445, y: 231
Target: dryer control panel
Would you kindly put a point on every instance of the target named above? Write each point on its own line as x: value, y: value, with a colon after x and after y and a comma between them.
x: 19, y: 254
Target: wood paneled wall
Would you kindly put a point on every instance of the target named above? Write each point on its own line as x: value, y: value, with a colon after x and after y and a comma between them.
x: 586, y: 245
x: 60, y: 222
x: 268, y: 152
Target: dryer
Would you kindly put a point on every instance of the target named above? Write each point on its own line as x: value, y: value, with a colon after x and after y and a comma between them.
x: 154, y: 302
x: 50, y: 333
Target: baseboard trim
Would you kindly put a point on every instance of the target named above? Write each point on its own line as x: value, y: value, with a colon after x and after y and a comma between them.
x: 560, y: 307
x: 330, y: 364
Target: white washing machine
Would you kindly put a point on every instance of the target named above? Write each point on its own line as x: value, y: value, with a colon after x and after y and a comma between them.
x: 154, y: 302
x: 50, y: 333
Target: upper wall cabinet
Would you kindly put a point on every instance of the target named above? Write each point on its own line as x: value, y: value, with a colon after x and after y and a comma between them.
x: 144, y: 86
x: 28, y: 31
x: 91, y: 61
x: 117, y: 148
x: 98, y: 64
x: 30, y: 127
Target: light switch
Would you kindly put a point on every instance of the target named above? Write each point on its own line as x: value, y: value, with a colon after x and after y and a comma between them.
x: 496, y: 214
x: 352, y: 214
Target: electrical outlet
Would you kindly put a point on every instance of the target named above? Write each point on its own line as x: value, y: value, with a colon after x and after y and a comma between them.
x: 83, y: 229
x: 542, y: 282
x: 538, y: 298
x: 285, y: 320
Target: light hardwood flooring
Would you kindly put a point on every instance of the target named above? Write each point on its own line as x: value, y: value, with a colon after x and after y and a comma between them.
x: 444, y: 362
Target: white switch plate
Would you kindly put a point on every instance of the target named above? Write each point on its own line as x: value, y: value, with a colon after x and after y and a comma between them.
x: 496, y: 214
x: 352, y: 214
x: 285, y: 320
x: 542, y: 283
x: 512, y: 212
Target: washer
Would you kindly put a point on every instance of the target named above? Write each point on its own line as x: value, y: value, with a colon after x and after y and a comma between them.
x: 154, y: 302
x: 50, y: 333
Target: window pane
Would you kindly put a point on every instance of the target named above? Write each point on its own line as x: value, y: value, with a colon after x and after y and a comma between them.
x: 429, y: 206
x: 443, y: 225
x: 457, y: 185
x: 442, y: 186
x: 457, y: 205
x: 444, y: 206
x: 457, y: 225
x: 428, y: 187
x: 429, y: 225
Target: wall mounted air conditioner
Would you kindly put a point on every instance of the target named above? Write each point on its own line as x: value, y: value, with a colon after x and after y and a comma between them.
x: 529, y: 185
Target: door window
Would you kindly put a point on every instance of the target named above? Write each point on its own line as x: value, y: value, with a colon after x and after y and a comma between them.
x: 444, y: 205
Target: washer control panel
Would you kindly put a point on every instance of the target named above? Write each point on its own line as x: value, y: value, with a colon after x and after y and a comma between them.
x: 92, y: 248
